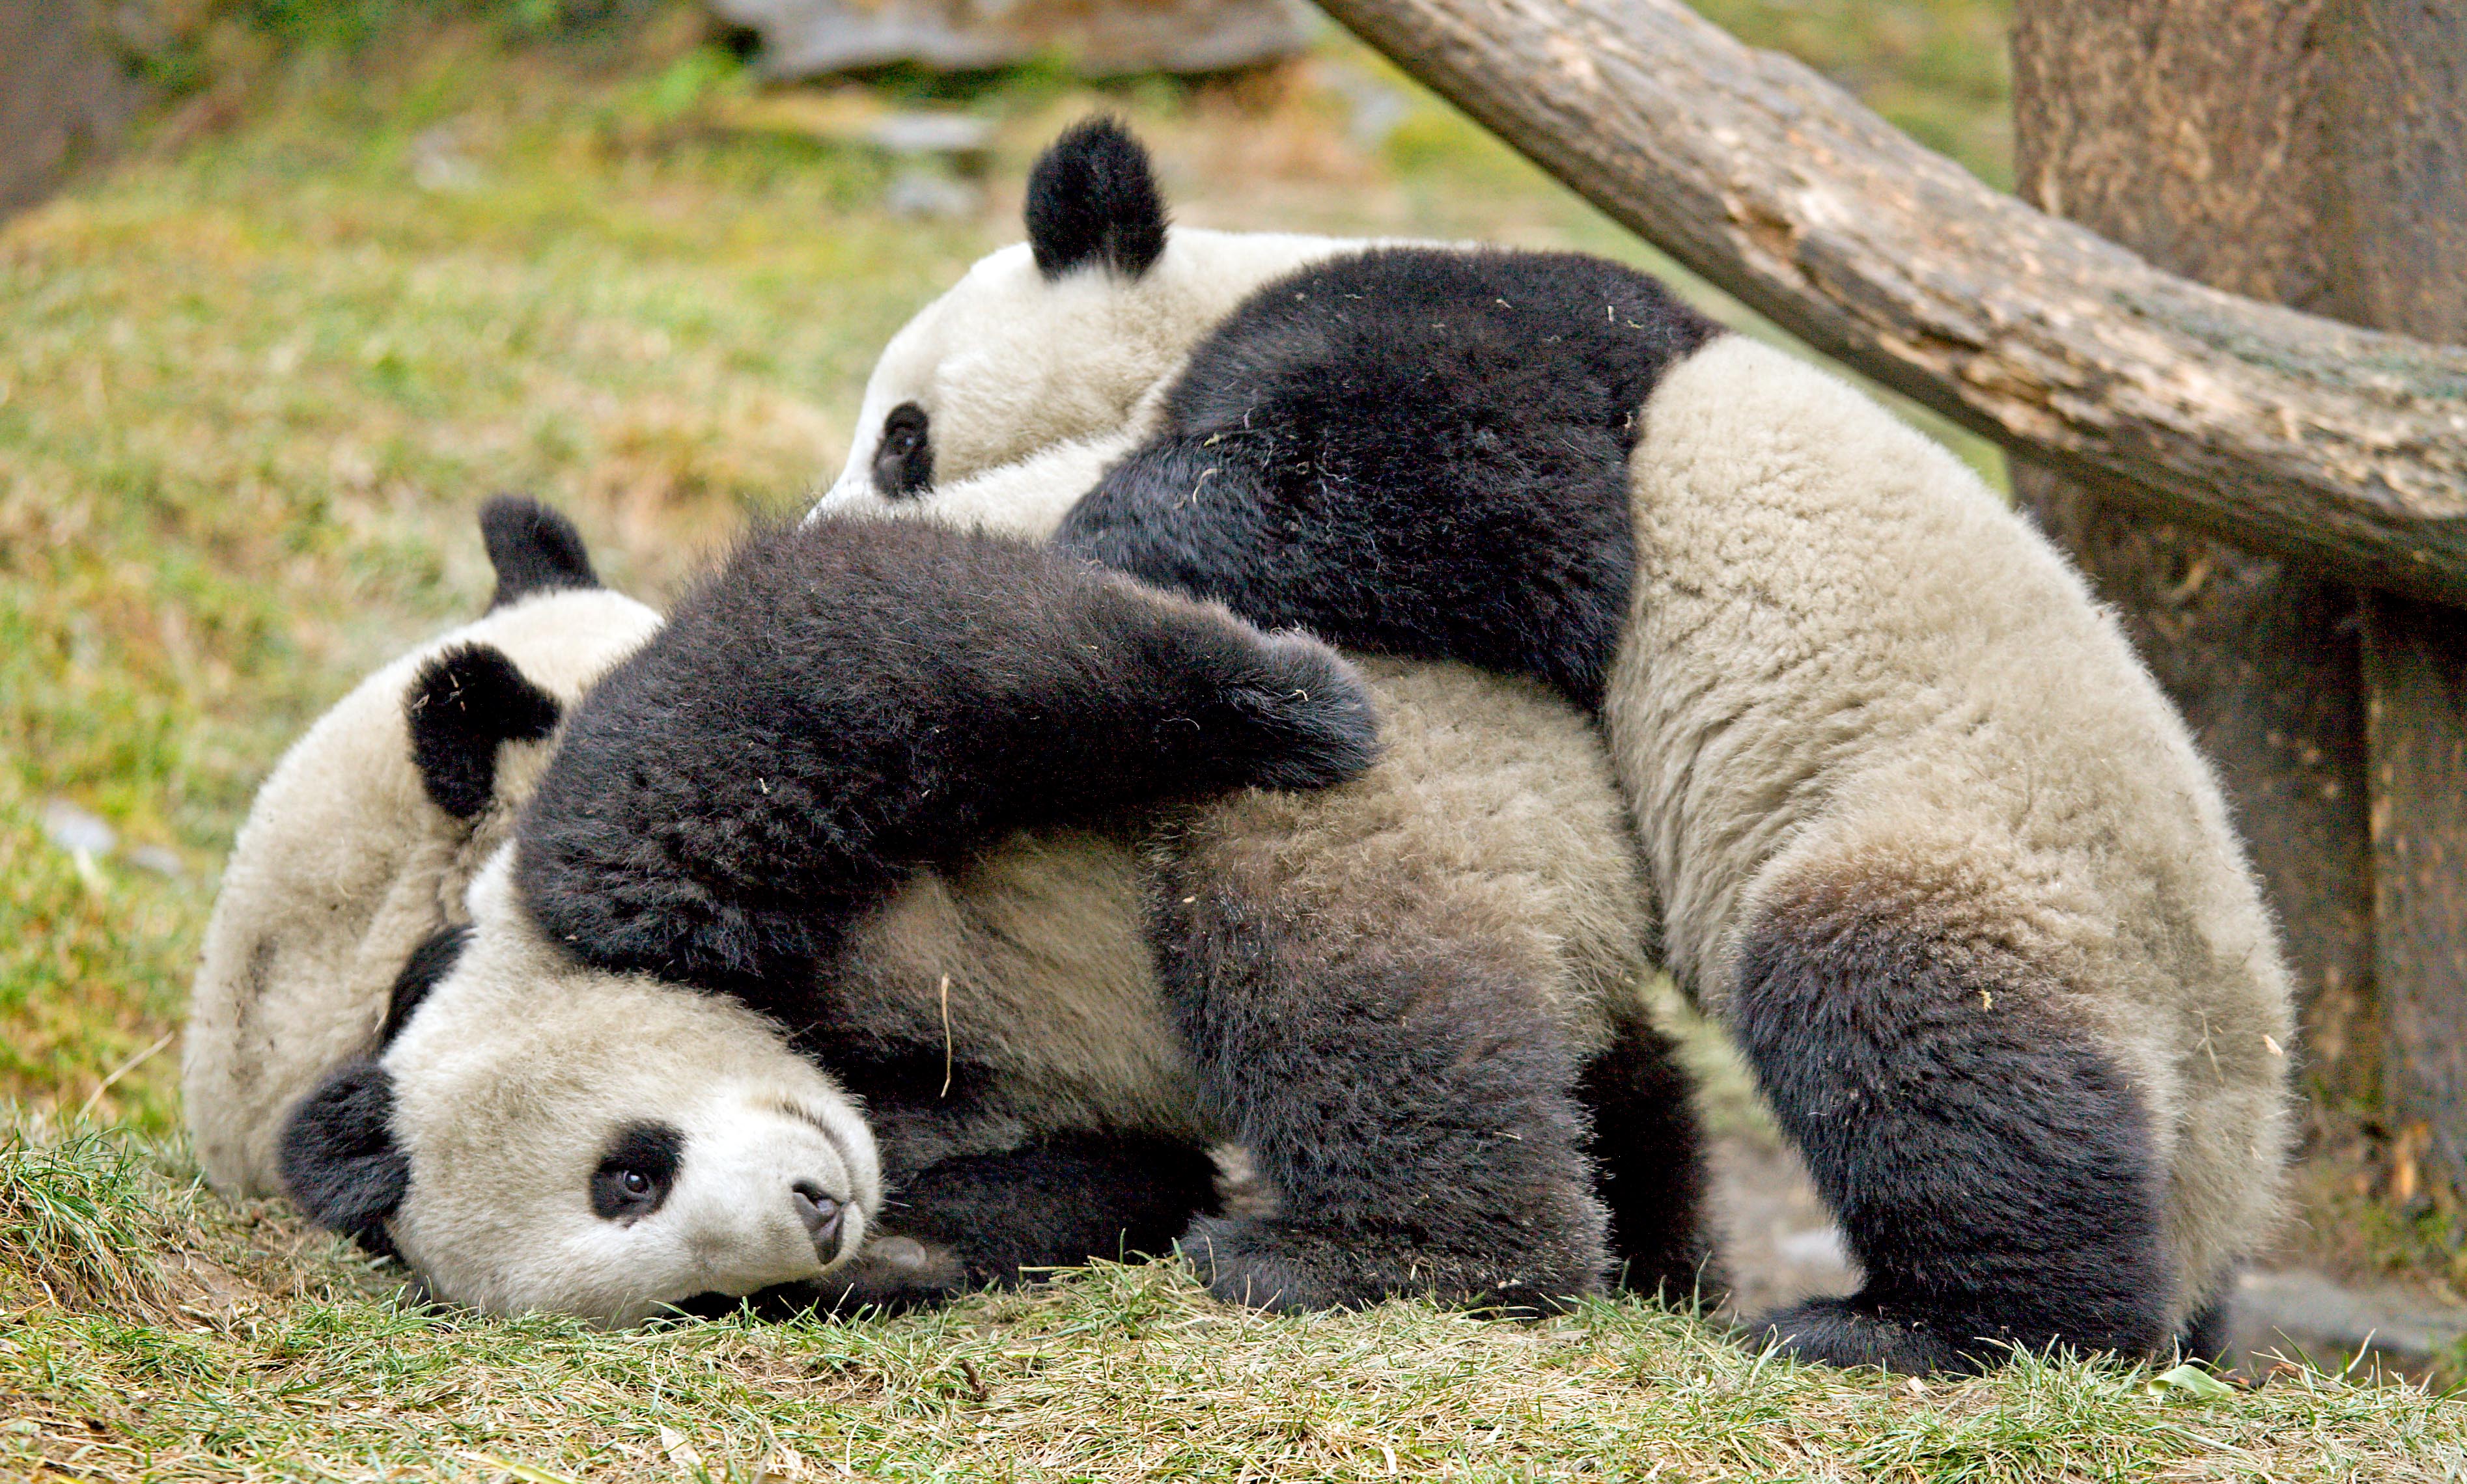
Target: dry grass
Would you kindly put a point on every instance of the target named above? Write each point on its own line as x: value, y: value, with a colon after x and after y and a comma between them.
x: 267, y: 1351
x: 251, y: 387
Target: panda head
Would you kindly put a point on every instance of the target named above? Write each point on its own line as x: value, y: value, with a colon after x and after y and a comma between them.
x: 364, y: 839
x: 537, y: 1134
x: 1002, y: 400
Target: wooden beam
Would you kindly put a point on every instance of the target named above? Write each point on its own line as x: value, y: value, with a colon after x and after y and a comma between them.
x: 2343, y: 446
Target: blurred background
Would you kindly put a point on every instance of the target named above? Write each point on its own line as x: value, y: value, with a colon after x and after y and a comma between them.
x: 288, y: 286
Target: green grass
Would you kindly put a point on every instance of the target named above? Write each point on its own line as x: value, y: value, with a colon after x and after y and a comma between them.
x: 252, y: 385
x: 149, y: 1330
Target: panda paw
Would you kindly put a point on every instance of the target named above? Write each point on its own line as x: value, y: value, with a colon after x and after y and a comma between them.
x: 1847, y: 1333
x: 1311, y: 719
x: 895, y: 1274
x: 1271, y: 1265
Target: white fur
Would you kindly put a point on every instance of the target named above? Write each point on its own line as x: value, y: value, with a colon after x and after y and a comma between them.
x: 1848, y: 657
x: 1034, y: 383
x: 343, y: 867
x: 1844, y: 651
x: 520, y: 1070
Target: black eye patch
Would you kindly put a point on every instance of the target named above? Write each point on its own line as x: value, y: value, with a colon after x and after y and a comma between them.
x: 635, y: 1176
x: 903, y: 465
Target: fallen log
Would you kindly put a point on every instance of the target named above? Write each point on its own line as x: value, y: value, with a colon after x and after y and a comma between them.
x: 2339, y: 446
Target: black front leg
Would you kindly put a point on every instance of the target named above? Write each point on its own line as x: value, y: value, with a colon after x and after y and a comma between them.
x: 979, y: 1221
x: 1393, y: 1074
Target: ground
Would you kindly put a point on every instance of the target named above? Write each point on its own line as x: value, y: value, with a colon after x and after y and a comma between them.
x: 253, y: 382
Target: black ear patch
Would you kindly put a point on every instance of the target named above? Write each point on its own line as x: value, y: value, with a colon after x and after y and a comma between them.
x: 903, y: 462
x: 432, y: 960
x: 533, y: 548
x: 339, y: 1158
x: 1091, y: 198
x: 463, y: 703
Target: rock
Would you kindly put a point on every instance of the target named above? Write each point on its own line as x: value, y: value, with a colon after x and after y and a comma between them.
x: 74, y: 830
x: 922, y: 194
x: 2295, y: 1309
x: 65, y: 98
x: 804, y: 39
x: 963, y: 138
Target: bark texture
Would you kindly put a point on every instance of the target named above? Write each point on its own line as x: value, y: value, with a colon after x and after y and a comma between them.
x: 2193, y: 132
x: 2396, y: 86
x: 2294, y: 434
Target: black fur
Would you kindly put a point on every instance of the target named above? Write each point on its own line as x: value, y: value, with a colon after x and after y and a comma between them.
x: 339, y: 1159
x: 637, y: 1172
x: 995, y: 1220
x: 462, y: 704
x: 431, y: 962
x: 904, y: 462
x: 2210, y: 1333
x: 848, y: 700
x: 533, y: 548
x: 1093, y: 201
x: 1415, y: 451
x: 1406, y: 1099
x: 1648, y: 1165
x: 1990, y: 1167
x: 1000, y: 1220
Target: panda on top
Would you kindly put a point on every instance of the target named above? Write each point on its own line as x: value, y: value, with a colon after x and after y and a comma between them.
x: 885, y: 812
x: 1922, y: 831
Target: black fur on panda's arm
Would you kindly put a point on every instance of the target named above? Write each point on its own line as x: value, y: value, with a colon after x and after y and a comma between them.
x: 1412, y: 451
x: 845, y: 701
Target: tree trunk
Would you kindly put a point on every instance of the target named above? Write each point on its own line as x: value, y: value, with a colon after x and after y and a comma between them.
x: 2314, y: 153
x: 2396, y: 86
x: 2191, y: 131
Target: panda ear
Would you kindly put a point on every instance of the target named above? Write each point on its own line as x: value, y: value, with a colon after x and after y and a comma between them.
x: 1092, y: 199
x: 461, y: 705
x: 431, y: 962
x: 533, y: 548
x: 339, y: 1158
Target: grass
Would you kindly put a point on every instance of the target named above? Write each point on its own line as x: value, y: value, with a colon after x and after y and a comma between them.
x: 253, y: 383
x: 147, y: 1329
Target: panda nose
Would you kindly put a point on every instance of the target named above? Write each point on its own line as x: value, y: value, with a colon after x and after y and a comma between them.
x: 821, y: 1215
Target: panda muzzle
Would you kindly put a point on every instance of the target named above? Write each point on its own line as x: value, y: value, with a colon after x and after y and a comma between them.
x: 821, y: 1215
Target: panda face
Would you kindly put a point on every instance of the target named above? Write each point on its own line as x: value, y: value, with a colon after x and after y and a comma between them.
x: 545, y: 1136
x: 1004, y: 399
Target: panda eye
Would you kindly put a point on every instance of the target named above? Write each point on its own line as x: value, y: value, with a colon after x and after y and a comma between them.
x: 635, y: 1175
x: 904, y: 462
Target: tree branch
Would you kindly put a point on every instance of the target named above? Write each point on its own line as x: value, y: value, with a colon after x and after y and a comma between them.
x: 2338, y: 446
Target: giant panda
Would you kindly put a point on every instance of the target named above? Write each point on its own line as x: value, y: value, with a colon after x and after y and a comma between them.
x: 895, y: 802
x: 358, y: 847
x: 1922, y: 832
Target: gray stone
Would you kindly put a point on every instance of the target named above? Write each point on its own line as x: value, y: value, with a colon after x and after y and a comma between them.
x: 804, y: 38
x: 922, y: 194
x: 964, y: 139
x: 65, y: 97
x: 2295, y: 1312
x: 73, y: 829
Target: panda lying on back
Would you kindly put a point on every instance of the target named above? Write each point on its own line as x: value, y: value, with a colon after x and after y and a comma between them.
x: 806, y: 798
x: 1923, y: 832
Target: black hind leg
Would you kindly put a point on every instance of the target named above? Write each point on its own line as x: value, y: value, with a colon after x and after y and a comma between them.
x: 1648, y: 1163
x: 1395, y: 1080
x: 2210, y: 1334
x: 1988, y: 1163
